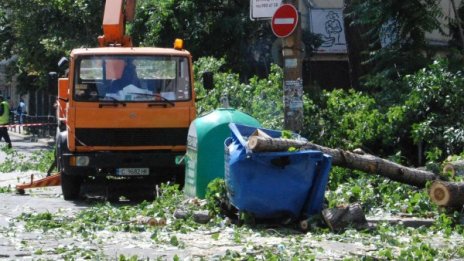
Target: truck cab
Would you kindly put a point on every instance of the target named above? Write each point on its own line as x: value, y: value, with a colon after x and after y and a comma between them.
x: 124, y: 113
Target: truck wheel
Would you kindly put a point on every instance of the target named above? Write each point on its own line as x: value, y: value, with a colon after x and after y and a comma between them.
x: 70, y: 186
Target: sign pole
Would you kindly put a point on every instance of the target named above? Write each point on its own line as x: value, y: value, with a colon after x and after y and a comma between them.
x: 293, y: 78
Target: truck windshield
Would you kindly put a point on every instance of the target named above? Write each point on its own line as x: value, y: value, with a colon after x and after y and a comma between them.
x: 132, y: 79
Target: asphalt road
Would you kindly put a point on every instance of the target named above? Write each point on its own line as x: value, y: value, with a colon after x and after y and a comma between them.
x: 24, y: 145
x: 17, y: 243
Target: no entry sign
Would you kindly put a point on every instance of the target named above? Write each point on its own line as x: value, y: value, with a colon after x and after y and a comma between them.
x: 284, y: 20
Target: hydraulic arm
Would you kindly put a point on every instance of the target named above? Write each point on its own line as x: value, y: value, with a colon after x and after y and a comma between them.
x: 117, y: 13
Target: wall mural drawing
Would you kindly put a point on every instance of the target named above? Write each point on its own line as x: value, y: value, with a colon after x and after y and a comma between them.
x: 328, y: 24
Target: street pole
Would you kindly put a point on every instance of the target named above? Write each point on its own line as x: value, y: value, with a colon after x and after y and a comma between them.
x: 293, y: 80
x: 458, y: 22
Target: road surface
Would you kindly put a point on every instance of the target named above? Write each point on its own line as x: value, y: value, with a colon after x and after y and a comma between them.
x: 210, y: 242
x: 17, y: 243
x: 24, y: 145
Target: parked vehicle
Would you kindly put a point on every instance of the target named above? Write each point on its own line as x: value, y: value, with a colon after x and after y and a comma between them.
x: 123, y: 111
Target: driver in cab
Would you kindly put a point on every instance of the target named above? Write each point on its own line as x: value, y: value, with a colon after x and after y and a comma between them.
x: 128, y: 77
x: 128, y: 87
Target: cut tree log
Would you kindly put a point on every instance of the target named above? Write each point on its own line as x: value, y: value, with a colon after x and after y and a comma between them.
x: 260, y: 133
x: 375, y: 165
x: 447, y: 194
x: 260, y: 143
x: 340, y: 218
x: 455, y: 168
x: 442, y: 193
x: 359, y: 160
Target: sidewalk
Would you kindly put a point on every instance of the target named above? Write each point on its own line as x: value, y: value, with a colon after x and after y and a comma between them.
x: 28, y: 137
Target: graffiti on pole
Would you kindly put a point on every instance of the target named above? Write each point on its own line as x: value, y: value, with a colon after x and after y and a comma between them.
x: 293, y: 103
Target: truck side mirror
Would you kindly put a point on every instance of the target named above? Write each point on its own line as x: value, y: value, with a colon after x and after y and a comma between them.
x: 63, y: 63
x: 52, y: 76
x: 208, y: 81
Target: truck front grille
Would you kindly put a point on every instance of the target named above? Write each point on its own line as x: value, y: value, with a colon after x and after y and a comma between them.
x: 131, y: 137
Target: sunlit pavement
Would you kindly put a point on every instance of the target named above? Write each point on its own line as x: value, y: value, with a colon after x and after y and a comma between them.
x: 25, y: 144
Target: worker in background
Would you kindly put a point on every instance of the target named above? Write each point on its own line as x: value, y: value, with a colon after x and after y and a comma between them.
x: 4, y: 120
x: 21, y: 110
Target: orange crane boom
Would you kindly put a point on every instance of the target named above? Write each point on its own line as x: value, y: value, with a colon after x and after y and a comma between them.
x: 117, y: 13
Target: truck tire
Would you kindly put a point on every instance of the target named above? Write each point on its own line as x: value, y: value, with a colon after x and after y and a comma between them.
x: 70, y: 183
x: 70, y: 186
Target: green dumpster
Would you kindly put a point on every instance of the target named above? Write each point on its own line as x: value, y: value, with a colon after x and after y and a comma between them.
x: 204, y: 160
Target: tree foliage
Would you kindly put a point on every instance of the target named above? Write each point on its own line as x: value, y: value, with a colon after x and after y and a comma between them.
x: 39, y: 32
x: 430, y: 113
x: 219, y: 28
x: 392, y: 113
x: 260, y: 97
x: 402, y: 26
x: 436, y: 107
x: 408, y: 94
x: 349, y: 119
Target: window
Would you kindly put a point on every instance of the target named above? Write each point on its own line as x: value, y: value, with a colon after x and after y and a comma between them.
x: 132, y: 78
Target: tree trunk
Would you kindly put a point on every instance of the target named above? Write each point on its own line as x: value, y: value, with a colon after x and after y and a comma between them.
x: 375, y: 165
x: 341, y: 217
x: 447, y: 194
x: 356, y: 45
x: 455, y: 168
x: 458, y: 22
x: 360, y: 161
x: 259, y: 143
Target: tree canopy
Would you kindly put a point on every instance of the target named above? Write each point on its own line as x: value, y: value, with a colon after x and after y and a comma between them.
x: 40, y: 32
x: 395, y: 32
x: 221, y: 28
x: 388, y: 110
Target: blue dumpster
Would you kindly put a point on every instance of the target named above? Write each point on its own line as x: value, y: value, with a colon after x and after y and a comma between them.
x: 274, y: 184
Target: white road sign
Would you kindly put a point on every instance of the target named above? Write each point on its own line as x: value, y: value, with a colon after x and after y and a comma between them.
x: 263, y: 9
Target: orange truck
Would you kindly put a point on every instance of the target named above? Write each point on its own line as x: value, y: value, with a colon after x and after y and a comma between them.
x: 123, y: 112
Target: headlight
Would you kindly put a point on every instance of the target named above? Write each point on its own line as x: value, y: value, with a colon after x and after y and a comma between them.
x: 80, y: 161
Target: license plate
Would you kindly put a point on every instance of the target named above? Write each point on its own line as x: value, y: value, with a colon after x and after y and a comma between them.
x: 133, y: 172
